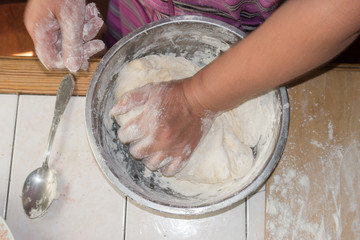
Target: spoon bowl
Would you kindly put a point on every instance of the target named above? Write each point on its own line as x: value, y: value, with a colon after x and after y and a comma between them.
x: 39, y: 191
x: 40, y: 187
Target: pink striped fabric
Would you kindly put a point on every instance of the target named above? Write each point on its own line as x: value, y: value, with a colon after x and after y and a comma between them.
x: 125, y: 16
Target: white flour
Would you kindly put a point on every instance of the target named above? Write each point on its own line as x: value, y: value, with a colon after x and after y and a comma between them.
x: 320, y: 199
x: 321, y: 207
x: 314, y: 194
x: 226, y: 153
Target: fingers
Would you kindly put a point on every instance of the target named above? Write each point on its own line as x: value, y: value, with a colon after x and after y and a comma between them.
x: 157, y: 161
x: 132, y: 132
x: 90, y: 49
x: 130, y: 100
x: 91, y: 11
x: 92, y: 26
x: 175, y: 166
x: 143, y: 148
x: 168, y: 165
x: 79, y: 23
x: 93, y: 22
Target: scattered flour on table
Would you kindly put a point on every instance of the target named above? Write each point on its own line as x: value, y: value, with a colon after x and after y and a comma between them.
x: 322, y: 208
x: 226, y: 152
x: 319, y: 199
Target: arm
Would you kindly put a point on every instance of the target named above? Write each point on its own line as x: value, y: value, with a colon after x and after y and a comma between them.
x: 299, y: 36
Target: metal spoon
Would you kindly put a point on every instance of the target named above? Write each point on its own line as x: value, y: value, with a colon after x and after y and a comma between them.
x: 40, y: 186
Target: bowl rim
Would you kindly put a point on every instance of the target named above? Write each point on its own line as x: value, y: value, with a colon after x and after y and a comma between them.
x: 168, y: 209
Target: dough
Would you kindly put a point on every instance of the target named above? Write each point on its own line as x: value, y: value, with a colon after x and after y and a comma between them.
x: 225, y: 152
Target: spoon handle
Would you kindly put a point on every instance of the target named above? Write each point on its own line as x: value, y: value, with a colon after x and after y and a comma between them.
x: 63, y: 96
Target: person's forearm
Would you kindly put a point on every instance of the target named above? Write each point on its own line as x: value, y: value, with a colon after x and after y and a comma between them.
x: 301, y: 35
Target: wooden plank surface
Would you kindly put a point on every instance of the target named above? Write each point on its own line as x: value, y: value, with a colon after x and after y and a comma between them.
x: 314, y: 192
x: 26, y: 75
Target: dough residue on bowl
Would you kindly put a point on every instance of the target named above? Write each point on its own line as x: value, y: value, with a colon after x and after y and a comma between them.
x: 229, y: 150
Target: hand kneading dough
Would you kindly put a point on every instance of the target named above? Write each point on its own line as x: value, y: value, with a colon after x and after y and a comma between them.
x: 225, y: 153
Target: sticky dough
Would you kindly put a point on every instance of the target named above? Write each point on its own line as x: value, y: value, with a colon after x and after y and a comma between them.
x: 225, y: 153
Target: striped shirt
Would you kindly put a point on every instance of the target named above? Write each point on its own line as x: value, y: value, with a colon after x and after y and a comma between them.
x: 125, y: 16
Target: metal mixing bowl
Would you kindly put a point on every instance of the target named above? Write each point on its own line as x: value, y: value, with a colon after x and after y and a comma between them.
x: 200, y: 40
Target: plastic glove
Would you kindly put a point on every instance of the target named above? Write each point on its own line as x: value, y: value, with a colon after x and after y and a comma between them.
x: 168, y: 129
x: 62, y: 32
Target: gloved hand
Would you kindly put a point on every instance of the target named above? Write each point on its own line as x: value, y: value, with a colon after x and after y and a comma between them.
x: 168, y: 129
x: 62, y: 32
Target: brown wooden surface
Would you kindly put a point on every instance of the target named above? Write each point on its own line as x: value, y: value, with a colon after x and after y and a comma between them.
x: 13, y: 35
x: 314, y: 192
x: 26, y: 75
